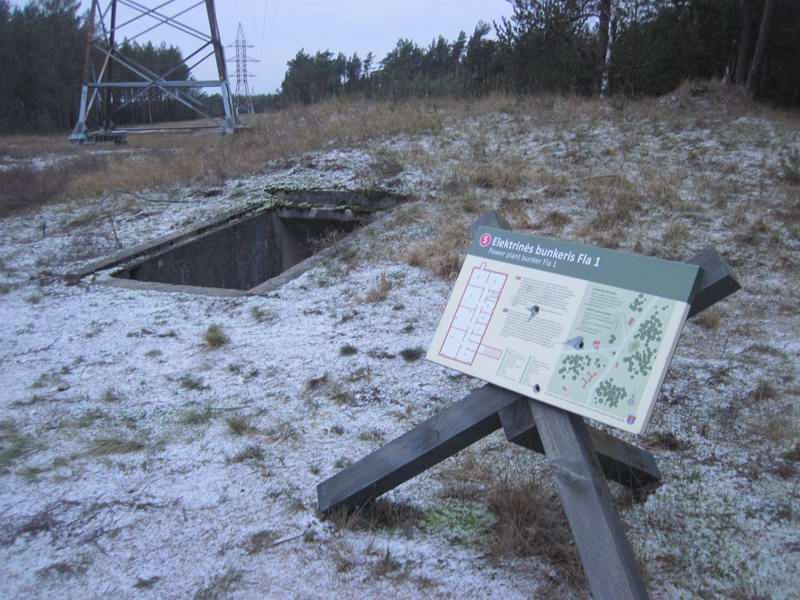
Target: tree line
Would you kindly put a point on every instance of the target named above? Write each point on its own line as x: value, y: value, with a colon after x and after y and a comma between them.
x: 632, y: 47
x: 608, y: 47
x: 41, y: 62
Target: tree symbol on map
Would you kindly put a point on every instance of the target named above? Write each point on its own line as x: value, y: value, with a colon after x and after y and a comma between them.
x: 642, y: 350
x: 573, y: 365
x: 609, y: 394
x: 637, y: 304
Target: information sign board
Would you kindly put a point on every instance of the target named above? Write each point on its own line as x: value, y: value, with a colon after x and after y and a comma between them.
x: 586, y: 329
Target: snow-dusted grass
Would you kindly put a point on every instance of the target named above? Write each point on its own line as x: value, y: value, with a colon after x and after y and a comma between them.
x: 134, y: 460
x: 159, y: 161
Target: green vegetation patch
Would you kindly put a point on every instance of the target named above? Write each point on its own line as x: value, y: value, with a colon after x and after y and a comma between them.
x: 467, y: 522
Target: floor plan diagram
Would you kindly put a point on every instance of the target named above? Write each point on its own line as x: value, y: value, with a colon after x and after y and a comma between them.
x: 465, y: 335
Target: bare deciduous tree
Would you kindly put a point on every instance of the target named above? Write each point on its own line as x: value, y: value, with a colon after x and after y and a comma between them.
x: 745, y: 41
x: 757, y: 65
x: 603, y: 45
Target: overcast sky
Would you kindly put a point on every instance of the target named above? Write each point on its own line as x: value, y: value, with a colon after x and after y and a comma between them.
x: 279, y: 28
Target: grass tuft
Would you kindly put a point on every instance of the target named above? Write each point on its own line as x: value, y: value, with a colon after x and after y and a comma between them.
x: 252, y: 453
x: 13, y: 445
x: 348, y: 350
x: 387, y: 564
x: 380, y: 292
x: 258, y: 542
x: 504, y: 173
x: 114, y: 445
x: 412, y: 354
x: 316, y: 383
x: 146, y: 584
x: 530, y: 522
x: 556, y: 220
x: 190, y: 383
x: 112, y: 396
x: 710, y: 318
x: 220, y: 586
x: 675, y: 236
x: 442, y: 255
x: 667, y: 441
x: 371, y: 435
x: 196, y: 416
x: 342, y: 463
x: 284, y: 432
x: 763, y: 391
x: 239, y: 426
x: 63, y: 569
x: 378, y: 515
x: 262, y: 316
x: 215, y: 338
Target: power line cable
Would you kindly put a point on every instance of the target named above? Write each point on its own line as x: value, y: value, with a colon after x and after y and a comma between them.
x: 271, y: 29
x: 264, y: 26
x: 263, y: 35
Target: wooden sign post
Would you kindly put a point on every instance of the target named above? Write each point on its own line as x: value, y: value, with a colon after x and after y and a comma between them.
x: 582, y: 457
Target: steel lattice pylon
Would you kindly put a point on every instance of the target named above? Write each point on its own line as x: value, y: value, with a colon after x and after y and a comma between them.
x: 103, y: 53
x: 242, y: 98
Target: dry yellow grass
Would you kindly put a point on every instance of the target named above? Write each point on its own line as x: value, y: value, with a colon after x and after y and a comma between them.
x: 163, y: 160
x: 530, y: 522
x: 211, y: 159
x: 443, y: 255
x: 505, y: 173
x: 515, y: 211
x: 709, y: 319
x: 528, y: 518
x: 614, y: 195
x: 380, y: 292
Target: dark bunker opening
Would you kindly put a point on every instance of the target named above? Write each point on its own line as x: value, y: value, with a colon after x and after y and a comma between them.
x: 246, y: 251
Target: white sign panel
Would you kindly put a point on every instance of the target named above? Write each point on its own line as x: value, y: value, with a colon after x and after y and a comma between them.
x: 586, y: 329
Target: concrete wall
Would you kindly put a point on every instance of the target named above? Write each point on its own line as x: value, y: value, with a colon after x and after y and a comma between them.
x: 238, y: 255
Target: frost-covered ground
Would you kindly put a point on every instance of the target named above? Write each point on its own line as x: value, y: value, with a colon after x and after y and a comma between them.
x: 135, y: 462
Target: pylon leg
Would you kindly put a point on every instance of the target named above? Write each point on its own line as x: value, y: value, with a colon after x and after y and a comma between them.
x: 230, y: 121
x: 79, y: 132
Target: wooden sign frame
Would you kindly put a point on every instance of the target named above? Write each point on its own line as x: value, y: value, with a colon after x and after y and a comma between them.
x: 581, y: 456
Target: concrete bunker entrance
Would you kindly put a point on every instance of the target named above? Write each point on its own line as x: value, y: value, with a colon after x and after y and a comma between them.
x: 257, y: 250
x: 242, y: 254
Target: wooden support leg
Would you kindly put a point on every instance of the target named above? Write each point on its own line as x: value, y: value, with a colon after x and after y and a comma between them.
x: 464, y: 423
x: 620, y: 461
x: 605, y: 552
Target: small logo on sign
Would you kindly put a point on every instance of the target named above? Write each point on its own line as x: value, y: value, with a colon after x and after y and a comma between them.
x: 631, y: 419
x: 486, y: 240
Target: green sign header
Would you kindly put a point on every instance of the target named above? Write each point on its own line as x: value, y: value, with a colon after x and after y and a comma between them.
x: 654, y: 276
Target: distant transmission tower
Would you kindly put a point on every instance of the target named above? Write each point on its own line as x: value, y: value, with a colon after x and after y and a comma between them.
x: 108, y: 97
x: 242, y: 98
